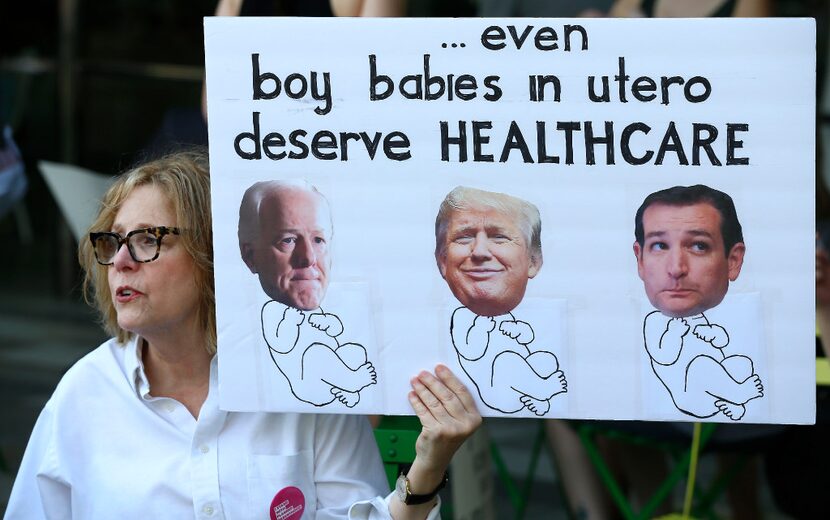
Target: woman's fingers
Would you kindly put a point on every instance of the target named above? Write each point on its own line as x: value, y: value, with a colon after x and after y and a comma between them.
x: 456, y: 387
x: 421, y: 410
x: 432, y: 394
x: 440, y: 393
x: 447, y: 413
x: 445, y: 399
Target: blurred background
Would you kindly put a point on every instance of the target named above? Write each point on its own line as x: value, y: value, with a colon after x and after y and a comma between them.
x: 100, y: 85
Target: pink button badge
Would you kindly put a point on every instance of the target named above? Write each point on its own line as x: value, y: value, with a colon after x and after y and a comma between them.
x: 288, y: 504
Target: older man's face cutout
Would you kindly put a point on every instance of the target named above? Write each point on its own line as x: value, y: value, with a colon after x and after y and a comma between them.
x: 291, y: 252
x: 486, y: 260
x: 682, y: 263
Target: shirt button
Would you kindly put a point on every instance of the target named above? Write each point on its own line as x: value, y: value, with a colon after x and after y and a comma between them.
x: 169, y: 407
x: 208, y: 510
x: 203, y: 448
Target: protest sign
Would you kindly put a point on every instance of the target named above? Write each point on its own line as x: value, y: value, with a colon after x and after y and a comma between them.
x: 389, y: 194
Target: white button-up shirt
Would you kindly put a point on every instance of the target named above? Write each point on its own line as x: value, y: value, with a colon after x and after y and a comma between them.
x: 105, y: 448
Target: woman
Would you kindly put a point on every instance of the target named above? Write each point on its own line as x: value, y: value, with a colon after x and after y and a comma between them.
x: 134, y: 430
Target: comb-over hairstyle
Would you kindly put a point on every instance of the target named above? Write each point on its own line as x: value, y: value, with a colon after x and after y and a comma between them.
x: 463, y: 198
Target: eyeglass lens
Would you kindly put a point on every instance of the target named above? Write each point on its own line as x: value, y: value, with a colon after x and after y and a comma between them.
x: 143, y: 246
x: 105, y: 248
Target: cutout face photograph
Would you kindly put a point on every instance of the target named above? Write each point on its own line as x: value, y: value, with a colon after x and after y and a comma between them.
x: 488, y: 247
x: 284, y: 234
x: 689, y: 246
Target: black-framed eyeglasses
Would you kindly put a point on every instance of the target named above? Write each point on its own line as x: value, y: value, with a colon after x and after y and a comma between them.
x: 144, y: 244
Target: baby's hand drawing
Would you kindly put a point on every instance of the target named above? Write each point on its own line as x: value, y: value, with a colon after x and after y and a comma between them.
x: 678, y: 326
x: 328, y: 323
x: 520, y: 331
x: 487, y: 323
x: 714, y: 334
x: 293, y: 316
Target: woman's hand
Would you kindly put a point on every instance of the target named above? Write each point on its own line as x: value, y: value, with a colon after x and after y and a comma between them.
x: 448, y: 416
x: 447, y: 413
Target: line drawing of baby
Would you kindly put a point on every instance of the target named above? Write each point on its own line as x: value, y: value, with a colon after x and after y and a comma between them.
x: 687, y: 356
x: 305, y: 348
x: 494, y: 352
x: 488, y: 245
x: 689, y: 248
x: 285, y: 235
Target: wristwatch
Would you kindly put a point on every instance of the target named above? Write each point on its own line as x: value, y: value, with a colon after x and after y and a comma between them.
x: 408, y: 498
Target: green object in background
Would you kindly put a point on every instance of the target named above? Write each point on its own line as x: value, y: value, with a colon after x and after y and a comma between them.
x: 519, y: 498
x: 683, y: 460
x: 396, y: 436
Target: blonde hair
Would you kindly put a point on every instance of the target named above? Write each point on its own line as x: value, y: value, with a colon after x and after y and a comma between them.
x: 184, y: 178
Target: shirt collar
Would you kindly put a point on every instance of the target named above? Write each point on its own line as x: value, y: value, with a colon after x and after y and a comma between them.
x: 135, y: 367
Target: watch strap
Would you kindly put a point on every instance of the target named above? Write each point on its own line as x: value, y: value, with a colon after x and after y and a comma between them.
x: 413, y: 499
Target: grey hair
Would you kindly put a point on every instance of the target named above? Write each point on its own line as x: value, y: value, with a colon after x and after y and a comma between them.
x: 463, y: 198
x: 252, y: 200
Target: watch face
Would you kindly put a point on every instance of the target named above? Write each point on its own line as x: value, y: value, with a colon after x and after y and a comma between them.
x: 400, y: 487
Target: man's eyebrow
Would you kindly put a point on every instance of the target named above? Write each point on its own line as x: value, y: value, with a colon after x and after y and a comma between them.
x: 297, y: 231
x: 497, y: 228
x: 699, y: 233
x: 463, y: 229
x: 652, y: 234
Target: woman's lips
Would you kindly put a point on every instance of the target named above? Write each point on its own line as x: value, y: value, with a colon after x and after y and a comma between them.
x: 126, y: 294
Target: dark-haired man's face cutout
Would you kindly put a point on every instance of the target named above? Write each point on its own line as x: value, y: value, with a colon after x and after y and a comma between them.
x: 682, y: 262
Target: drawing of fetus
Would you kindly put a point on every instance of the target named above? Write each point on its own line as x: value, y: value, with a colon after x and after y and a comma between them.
x: 305, y: 348
x: 689, y: 247
x: 285, y: 230
x: 494, y: 353
x: 488, y: 245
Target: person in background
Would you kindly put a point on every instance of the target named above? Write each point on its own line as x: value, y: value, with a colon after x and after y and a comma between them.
x: 134, y: 429
x: 685, y: 9
x: 796, y: 467
x: 13, y: 182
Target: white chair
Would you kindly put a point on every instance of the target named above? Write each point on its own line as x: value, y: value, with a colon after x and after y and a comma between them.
x: 77, y: 191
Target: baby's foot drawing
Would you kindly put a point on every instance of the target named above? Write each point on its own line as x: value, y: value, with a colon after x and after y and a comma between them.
x: 731, y: 410
x: 348, y: 398
x: 366, y: 375
x: 536, y: 406
x: 752, y: 388
x: 563, y: 383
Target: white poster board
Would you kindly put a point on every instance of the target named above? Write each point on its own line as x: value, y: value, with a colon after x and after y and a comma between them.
x: 385, y: 117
